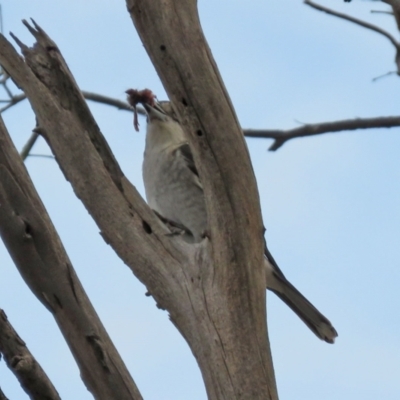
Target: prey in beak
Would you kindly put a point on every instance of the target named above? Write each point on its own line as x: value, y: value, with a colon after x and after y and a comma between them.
x: 145, y: 97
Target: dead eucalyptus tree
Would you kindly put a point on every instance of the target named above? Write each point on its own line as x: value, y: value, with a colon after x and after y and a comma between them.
x: 213, y: 291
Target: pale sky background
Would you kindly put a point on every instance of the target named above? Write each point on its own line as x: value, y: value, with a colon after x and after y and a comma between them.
x: 330, y: 203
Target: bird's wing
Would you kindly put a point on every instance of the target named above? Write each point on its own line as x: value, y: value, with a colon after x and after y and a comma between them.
x: 185, y: 153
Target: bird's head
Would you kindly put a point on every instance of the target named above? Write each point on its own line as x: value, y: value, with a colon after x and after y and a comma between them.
x: 162, y: 126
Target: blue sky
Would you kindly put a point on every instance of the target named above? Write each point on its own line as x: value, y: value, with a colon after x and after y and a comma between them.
x: 330, y: 203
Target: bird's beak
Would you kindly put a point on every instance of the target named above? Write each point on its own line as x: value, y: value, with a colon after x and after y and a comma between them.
x: 155, y: 113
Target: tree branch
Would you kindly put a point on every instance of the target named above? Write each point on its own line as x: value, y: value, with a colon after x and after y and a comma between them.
x: 220, y: 311
x: 357, y: 21
x: 382, y: 12
x: 2, y: 395
x: 24, y: 366
x: 36, y: 250
x: 98, y: 98
x: 282, y: 136
x: 121, y: 105
x: 13, y: 101
x: 29, y: 144
x: 125, y: 220
x: 236, y: 291
x: 395, y: 4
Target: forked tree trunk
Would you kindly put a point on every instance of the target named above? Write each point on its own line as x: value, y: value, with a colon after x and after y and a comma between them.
x: 214, y: 291
x: 234, y: 281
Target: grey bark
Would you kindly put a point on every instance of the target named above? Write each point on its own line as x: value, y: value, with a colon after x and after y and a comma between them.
x: 2, y: 395
x: 282, y: 136
x: 240, y: 366
x: 37, y: 251
x: 24, y: 366
x: 215, y: 291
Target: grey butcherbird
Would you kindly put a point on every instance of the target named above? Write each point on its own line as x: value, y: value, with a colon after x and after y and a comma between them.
x: 174, y: 191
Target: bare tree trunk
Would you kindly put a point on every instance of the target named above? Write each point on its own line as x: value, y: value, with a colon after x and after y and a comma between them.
x: 214, y: 291
x: 240, y: 364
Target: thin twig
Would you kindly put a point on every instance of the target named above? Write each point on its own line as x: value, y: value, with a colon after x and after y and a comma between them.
x: 13, y: 101
x: 384, y: 75
x: 355, y: 21
x: 121, y: 105
x: 4, y: 76
x: 98, y: 98
x: 29, y: 144
x: 381, y: 12
x: 6, y: 88
x: 42, y: 156
x: 282, y: 136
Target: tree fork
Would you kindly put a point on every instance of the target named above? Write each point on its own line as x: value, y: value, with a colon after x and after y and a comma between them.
x: 172, y: 35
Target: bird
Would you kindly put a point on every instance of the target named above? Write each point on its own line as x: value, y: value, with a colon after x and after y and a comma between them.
x: 174, y: 191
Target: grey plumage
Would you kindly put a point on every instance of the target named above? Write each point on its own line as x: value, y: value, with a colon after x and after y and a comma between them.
x: 172, y: 185
x: 173, y: 190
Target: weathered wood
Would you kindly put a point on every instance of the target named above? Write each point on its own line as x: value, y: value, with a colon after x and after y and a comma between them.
x: 37, y: 251
x: 172, y: 35
x: 214, y: 291
x: 2, y: 395
x: 23, y: 364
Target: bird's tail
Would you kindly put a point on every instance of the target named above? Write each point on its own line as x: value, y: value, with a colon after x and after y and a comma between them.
x: 277, y: 283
